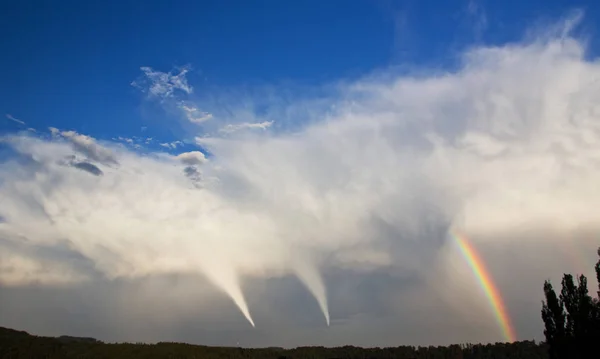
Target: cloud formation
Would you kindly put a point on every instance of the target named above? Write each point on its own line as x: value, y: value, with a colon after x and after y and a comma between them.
x: 507, y: 149
x: 163, y: 84
x: 194, y: 115
x: 172, y: 145
x: 166, y: 87
x: 230, y: 128
x: 88, y: 146
x: 478, y: 17
x: 192, y: 158
x: 14, y: 119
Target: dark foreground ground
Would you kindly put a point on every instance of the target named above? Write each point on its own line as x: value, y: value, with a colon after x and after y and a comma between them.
x: 18, y: 344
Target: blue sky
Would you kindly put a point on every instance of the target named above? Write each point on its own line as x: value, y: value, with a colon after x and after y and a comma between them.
x: 69, y: 64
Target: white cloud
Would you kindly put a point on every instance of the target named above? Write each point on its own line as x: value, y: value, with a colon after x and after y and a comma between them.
x: 230, y: 128
x: 12, y: 118
x: 172, y: 145
x: 194, y: 115
x: 125, y: 139
x: 192, y: 158
x: 507, y: 150
x: 478, y: 16
x: 89, y: 147
x: 163, y: 84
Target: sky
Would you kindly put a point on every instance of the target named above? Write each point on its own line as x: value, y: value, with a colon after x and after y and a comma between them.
x: 274, y: 173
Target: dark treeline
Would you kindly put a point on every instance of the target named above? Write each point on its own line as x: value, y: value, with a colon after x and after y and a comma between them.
x: 571, y: 320
x: 14, y: 344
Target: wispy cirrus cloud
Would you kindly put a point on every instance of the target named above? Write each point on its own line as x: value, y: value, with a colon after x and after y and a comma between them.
x: 230, y: 128
x: 478, y: 16
x: 194, y: 115
x: 163, y: 84
x: 14, y: 119
x: 168, y: 87
x: 125, y: 139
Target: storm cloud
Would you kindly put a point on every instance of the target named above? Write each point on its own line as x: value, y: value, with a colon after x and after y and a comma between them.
x: 344, y: 221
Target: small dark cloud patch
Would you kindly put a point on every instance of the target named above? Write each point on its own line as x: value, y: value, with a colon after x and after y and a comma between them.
x: 72, y: 161
x: 193, y: 174
x: 88, y: 167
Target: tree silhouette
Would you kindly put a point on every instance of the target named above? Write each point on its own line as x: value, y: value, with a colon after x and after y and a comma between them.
x: 553, y: 314
x: 598, y: 274
x: 572, y: 320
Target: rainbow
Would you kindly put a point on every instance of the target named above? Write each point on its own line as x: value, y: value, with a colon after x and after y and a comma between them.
x: 487, y: 284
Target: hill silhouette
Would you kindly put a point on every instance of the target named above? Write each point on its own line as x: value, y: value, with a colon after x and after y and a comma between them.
x: 20, y: 344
